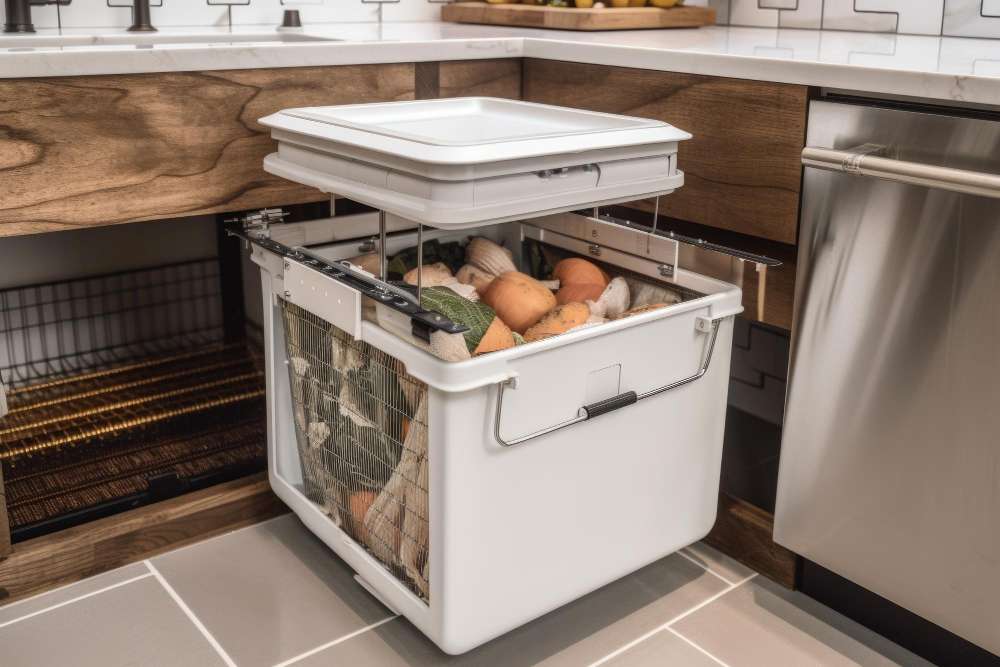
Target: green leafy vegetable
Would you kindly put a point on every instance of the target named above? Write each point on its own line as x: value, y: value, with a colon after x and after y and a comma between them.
x: 473, y: 314
x: 451, y: 253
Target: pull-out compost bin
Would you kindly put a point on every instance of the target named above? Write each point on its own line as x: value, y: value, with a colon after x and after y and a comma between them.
x: 480, y: 463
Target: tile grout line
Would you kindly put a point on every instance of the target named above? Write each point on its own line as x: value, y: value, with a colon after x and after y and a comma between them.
x: 673, y: 620
x: 190, y: 614
x: 334, y: 642
x: 697, y: 647
x: 76, y: 599
x: 703, y: 566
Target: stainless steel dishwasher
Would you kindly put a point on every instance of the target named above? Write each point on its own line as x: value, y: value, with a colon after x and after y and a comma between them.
x: 890, y: 459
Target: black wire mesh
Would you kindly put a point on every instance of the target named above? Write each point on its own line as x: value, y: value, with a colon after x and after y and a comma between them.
x: 70, y: 327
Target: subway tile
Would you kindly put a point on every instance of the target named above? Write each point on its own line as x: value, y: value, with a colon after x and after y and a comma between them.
x: 412, y: 10
x: 270, y: 592
x: 721, y: 11
x: 912, y: 18
x: 97, y: 14
x: 188, y: 13
x: 578, y: 633
x: 901, y: 16
x: 841, y: 15
x: 88, y: 586
x: 269, y: 12
x: 761, y: 624
x: 135, y: 624
x: 972, y: 18
x: 808, y: 14
x: 44, y: 16
x: 750, y: 13
x: 777, y: 13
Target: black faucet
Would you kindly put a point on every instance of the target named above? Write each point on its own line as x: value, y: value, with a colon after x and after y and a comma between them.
x: 18, y: 13
x: 141, y: 22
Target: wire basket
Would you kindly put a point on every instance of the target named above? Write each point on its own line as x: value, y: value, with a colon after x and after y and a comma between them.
x: 361, y: 431
x: 71, y: 327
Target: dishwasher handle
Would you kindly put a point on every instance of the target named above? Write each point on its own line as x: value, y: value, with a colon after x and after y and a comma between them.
x: 608, y: 405
x: 869, y: 160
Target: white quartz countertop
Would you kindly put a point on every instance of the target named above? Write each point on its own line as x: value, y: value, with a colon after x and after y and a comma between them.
x: 938, y: 68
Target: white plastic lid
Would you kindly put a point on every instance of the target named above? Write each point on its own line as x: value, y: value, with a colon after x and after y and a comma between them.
x: 471, y: 130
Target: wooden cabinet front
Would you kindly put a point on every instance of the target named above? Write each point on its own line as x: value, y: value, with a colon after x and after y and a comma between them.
x: 96, y: 150
x: 742, y: 169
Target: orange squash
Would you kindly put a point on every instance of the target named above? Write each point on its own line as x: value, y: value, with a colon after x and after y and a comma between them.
x: 576, y: 271
x: 497, y: 337
x: 518, y: 299
x: 579, y: 292
x: 558, y: 320
x: 358, y: 504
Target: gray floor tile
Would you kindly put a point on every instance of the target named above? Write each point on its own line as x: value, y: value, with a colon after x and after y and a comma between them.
x: 269, y: 592
x: 575, y: 634
x: 31, y: 605
x: 761, y: 623
x: 731, y: 570
x: 663, y: 648
x: 134, y: 624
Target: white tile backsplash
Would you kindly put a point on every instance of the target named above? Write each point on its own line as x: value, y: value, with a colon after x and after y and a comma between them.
x: 721, y: 11
x: 268, y: 12
x: 972, y: 18
x: 199, y: 13
x: 843, y: 15
x: 777, y: 13
x: 912, y: 17
x: 966, y: 18
x: 807, y: 14
x: 752, y: 13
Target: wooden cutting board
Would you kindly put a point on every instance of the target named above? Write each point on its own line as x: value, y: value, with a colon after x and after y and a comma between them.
x: 571, y: 18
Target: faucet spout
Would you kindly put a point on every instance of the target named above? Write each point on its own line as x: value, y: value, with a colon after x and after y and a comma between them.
x: 141, y: 20
x: 18, y: 16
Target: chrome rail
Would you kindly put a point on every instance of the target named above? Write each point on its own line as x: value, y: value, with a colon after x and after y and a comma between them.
x: 869, y: 161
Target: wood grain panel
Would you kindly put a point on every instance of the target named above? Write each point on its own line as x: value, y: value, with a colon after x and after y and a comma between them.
x: 744, y: 532
x: 499, y: 77
x: 565, y: 18
x: 427, y: 83
x: 742, y: 166
x: 44, y: 563
x: 99, y: 150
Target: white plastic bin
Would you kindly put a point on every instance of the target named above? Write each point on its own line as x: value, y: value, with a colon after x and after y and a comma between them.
x: 517, y: 531
x: 474, y: 496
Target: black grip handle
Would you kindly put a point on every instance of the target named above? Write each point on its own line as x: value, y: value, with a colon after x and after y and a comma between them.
x: 611, y: 404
